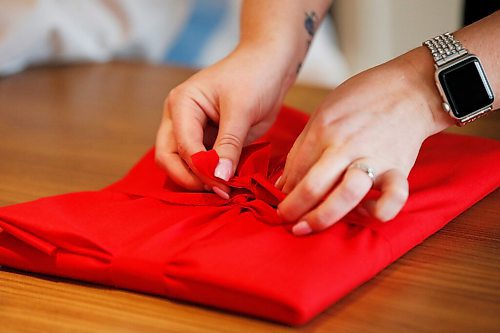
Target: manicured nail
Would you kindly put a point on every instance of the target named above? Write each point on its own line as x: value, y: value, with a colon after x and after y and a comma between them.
x: 220, y: 193
x: 224, y: 169
x: 302, y: 228
x: 207, y: 188
x: 277, y: 181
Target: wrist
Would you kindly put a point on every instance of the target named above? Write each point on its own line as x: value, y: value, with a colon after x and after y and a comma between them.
x: 279, y: 58
x: 418, y: 65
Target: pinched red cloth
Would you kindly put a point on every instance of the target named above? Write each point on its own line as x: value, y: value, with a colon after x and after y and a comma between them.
x: 144, y: 233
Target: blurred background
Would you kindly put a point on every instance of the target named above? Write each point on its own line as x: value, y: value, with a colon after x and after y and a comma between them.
x: 356, y: 35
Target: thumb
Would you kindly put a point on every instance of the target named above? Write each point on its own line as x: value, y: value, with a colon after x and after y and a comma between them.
x: 233, y: 130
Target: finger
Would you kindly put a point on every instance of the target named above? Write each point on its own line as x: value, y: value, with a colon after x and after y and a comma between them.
x: 289, y: 161
x: 314, y: 186
x: 233, y: 131
x: 301, y: 158
x: 180, y: 172
x: 167, y: 157
x: 292, y: 154
x: 280, y: 182
x: 345, y: 197
x: 394, y: 193
x: 188, y: 122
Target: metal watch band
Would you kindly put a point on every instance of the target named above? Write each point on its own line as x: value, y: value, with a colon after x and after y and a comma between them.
x: 470, y: 119
x: 445, y: 48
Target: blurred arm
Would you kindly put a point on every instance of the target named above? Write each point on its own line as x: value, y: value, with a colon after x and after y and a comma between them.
x: 283, y: 28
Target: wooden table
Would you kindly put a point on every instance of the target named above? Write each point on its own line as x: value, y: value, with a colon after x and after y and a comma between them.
x: 79, y: 128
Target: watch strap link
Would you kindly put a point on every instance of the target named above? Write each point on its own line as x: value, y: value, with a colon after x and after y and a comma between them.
x: 470, y: 119
x: 445, y: 48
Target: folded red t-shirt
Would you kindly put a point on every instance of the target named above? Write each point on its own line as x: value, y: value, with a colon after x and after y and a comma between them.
x: 144, y: 233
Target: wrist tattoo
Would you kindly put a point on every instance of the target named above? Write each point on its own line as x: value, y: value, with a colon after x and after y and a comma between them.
x: 310, y: 23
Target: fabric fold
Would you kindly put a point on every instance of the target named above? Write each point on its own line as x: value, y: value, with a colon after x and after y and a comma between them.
x: 252, y: 187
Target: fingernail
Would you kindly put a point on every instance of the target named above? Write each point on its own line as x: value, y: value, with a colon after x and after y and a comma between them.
x: 220, y: 193
x: 302, y: 228
x: 277, y: 181
x: 224, y: 169
x: 207, y: 188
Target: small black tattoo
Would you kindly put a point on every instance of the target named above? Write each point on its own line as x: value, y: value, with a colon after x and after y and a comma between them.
x: 310, y: 22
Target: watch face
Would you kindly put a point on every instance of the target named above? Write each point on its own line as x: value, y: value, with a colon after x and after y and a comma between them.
x: 466, y: 87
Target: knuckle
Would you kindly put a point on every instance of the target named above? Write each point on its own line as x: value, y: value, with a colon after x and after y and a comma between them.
x: 322, y: 121
x: 351, y: 192
x: 322, y: 219
x: 173, y: 98
x: 286, y: 212
x: 175, y: 93
x: 309, y: 191
x: 231, y: 140
x: 324, y: 125
x: 399, y: 194
x: 162, y: 158
x: 322, y: 130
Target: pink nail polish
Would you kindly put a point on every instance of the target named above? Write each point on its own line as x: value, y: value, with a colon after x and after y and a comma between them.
x: 277, y: 181
x: 220, y: 193
x: 302, y: 228
x: 224, y: 169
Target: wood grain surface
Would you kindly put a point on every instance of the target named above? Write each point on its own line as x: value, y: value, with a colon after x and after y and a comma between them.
x: 65, y: 129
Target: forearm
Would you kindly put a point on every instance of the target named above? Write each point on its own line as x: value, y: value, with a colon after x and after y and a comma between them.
x: 284, y: 29
x: 482, y: 39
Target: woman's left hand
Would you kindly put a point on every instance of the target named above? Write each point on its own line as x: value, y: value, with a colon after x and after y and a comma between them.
x: 376, y: 120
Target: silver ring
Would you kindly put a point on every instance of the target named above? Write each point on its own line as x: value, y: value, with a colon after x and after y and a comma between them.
x: 366, y: 169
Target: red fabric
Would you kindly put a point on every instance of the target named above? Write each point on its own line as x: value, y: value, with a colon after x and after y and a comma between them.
x: 143, y: 233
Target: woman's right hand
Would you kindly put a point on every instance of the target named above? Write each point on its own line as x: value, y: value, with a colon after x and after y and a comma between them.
x: 223, y: 107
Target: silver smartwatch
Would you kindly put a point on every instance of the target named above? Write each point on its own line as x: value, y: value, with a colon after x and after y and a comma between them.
x: 461, y: 80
